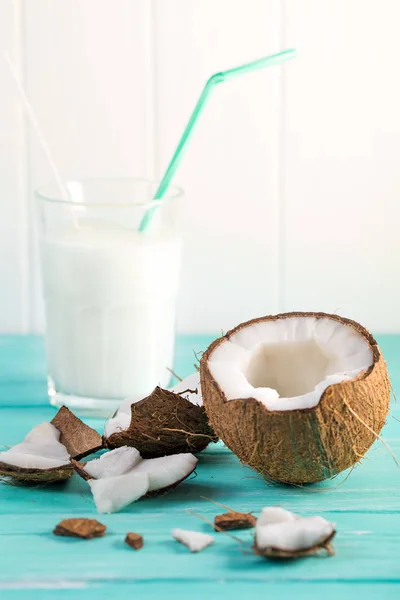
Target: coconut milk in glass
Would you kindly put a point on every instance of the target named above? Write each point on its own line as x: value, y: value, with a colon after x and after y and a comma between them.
x: 109, y: 291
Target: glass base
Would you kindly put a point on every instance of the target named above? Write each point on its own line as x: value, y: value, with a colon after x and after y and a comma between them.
x: 83, y: 406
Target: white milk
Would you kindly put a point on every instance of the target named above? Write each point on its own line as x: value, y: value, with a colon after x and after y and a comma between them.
x: 110, y: 310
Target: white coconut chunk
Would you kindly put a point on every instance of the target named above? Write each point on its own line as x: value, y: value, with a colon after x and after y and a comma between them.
x: 113, y: 463
x: 43, y: 432
x: 287, y: 364
x: 126, y: 405
x: 292, y: 536
x: 194, y: 540
x: 30, y: 461
x: 115, y: 493
x: 120, y: 422
x: 192, y: 382
x: 39, y: 450
x: 274, y: 514
x: 166, y: 470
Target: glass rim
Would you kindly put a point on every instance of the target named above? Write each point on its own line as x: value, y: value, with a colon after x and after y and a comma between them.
x: 173, y: 192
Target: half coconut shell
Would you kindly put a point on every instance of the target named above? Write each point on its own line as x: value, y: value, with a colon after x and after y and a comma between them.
x: 304, y: 445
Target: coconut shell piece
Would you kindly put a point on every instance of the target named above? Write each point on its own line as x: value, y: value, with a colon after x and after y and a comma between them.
x: 81, y: 528
x: 165, y: 423
x: 25, y: 475
x: 78, y: 438
x: 80, y: 469
x: 289, y: 554
x: 134, y: 540
x: 304, y: 445
x: 234, y: 520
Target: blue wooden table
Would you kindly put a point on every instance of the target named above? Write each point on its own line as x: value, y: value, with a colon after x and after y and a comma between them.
x: 36, y: 564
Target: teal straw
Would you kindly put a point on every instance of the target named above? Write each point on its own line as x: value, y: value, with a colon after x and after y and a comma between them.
x: 214, y: 80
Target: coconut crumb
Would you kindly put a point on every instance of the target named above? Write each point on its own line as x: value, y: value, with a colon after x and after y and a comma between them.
x: 234, y: 520
x: 194, y: 540
x: 134, y: 540
x: 81, y: 528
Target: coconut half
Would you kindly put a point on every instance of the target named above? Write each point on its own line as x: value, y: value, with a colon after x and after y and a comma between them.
x: 299, y: 397
x: 162, y: 424
x: 39, y: 458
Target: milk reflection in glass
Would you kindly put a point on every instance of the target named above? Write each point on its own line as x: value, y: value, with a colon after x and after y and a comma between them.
x: 110, y: 295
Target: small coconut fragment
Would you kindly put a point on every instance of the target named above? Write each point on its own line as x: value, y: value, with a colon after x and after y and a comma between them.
x: 164, y: 423
x: 234, y: 520
x: 299, y: 397
x: 39, y: 458
x: 275, y: 514
x: 134, y: 540
x: 166, y: 472
x: 110, y: 464
x: 112, y: 494
x: 194, y: 540
x: 81, y: 528
x: 292, y: 539
x: 79, y: 439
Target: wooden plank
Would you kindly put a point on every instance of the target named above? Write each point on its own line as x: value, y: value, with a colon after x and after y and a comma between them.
x: 341, y: 154
x: 163, y: 559
x: 364, y: 508
x: 14, y: 221
x: 230, y: 171
x: 86, y: 78
x: 244, y: 590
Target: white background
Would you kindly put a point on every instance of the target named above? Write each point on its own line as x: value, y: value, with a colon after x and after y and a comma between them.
x: 292, y: 177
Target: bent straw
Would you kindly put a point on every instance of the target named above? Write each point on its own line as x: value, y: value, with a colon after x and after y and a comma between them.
x: 36, y: 127
x: 214, y: 80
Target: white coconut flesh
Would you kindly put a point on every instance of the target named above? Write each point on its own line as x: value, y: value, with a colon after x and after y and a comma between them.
x: 293, y: 536
x: 122, y: 420
x: 192, y: 382
x: 166, y: 470
x: 274, y: 514
x: 112, y: 494
x: 39, y: 450
x: 194, y: 540
x: 287, y: 364
x: 113, y: 463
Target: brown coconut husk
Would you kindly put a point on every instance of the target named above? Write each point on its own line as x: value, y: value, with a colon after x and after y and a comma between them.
x: 25, y: 475
x: 78, y: 438
x: 287, y: 554
x: 165, y: 423
x: 308, y: 445
x: 134, y: 540
x: 80, y: 469
x: 230, y: 521
x: 81, y: 528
